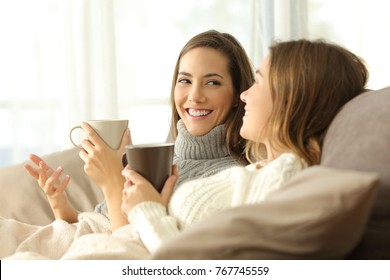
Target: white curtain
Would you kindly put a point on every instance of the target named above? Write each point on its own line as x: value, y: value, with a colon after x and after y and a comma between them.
x: 90, y: 59
x: 64, y: 61
x: 277, y: 20
x: 57, y: 68
x: 363, y: 26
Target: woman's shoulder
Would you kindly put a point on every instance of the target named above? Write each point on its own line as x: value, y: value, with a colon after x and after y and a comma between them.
x: 290, y: 158
x: 286, y: 161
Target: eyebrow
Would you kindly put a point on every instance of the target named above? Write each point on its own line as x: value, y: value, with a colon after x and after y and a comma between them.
x: 258, y: 72
x: 205, y: 76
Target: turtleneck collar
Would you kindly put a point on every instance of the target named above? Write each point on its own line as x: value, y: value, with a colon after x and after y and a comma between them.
x: 208, y: 146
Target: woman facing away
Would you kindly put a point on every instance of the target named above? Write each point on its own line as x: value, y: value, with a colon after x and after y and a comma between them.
x: 300, y: 86
x: 215, y: 66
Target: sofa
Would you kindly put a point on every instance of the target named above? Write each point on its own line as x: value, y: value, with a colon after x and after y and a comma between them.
x: 339, y: 209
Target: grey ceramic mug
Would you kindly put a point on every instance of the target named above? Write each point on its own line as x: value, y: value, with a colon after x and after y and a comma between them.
x: 152, y: 161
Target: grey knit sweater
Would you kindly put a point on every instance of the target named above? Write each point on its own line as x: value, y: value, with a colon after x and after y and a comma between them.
x: 201, y: 156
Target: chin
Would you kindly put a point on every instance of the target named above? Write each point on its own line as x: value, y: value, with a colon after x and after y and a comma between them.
x: 242, y: 133
x: 197, y: 132
x: 247, y: 136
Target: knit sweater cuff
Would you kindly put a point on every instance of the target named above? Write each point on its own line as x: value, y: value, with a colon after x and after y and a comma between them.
x: 153, y: 224
x: 146, y: 211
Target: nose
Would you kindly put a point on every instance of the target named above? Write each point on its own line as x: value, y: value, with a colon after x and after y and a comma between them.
x: 243, y: 96
x: 196, y: 94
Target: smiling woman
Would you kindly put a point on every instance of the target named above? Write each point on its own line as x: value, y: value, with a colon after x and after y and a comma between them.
x: 204, y: 90
x: 210, y: 73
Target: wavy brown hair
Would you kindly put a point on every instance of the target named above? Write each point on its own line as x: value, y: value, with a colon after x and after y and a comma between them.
x: 241, y: 72
x: 310, y: 81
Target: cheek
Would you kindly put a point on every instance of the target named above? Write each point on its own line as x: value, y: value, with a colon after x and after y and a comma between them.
x: 178, y: 104
x: 225, y: 102
x: 179, y: 98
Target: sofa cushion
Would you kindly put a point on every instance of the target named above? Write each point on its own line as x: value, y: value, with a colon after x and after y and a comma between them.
x: 319, y: 214
x: 22, y: 199
x: 359, y: 139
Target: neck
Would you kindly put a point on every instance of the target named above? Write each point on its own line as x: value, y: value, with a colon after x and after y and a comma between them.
x: 274, y: 153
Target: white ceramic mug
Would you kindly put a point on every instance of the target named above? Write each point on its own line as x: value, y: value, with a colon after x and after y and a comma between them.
x: 111, y: 131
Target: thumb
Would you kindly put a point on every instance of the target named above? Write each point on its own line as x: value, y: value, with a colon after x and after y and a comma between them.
x: 135, y: 177
x: 31, y: 171
x: 174, y: 170
x: 126, y: 139
x: 167, y: 190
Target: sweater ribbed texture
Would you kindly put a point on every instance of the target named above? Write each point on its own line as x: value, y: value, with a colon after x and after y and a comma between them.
x: 201, y: 156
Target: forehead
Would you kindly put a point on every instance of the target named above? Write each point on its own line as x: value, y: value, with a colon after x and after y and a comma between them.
x: 265, y: 64
x: 204, y: 59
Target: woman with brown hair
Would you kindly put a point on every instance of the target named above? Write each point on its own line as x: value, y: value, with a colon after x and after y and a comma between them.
x: 210, y: 73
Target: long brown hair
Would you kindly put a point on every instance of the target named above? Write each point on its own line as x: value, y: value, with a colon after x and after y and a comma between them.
x: 241, y: 72
x: 310, y: 81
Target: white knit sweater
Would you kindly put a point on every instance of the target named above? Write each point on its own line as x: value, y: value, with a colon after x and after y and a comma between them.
x: 197, y: 199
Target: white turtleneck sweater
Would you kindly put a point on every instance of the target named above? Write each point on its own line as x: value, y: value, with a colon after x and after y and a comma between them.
x: 197, y: 199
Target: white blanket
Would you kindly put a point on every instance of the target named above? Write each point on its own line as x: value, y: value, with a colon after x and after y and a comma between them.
x: 90, y: 238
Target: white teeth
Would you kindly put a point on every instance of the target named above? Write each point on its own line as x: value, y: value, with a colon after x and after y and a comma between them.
x: 198, y: 113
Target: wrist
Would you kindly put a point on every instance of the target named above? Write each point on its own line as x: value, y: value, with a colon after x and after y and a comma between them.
x: 113, y: 187
x: 58, y: 202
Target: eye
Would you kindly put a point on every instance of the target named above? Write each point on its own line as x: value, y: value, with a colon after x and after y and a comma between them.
x: 214, y: 83
x: 183, y: 81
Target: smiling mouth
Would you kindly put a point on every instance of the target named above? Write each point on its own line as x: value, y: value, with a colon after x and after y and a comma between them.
x: 198, y: 112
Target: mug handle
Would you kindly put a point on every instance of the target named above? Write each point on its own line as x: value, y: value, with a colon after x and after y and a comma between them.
x: 70, y: 136
x: 124, y: 160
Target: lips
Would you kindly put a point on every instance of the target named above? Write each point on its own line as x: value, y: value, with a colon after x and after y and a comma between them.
x: 198, y: 112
